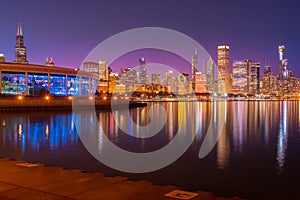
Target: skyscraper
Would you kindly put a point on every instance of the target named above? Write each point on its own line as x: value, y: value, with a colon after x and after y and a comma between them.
x: 20, y: 49
x: 103, y: 70
x: 169, y: 80
x: 266, y: 90
x: 281, y: 57
x: 240, y: 76
x: 143, y: 71
x: 194, y: 68
x: 155, y: 78
x: 223, y: 69
x: 254, y: 78
x: 200, y: 83
x: 210, y: 72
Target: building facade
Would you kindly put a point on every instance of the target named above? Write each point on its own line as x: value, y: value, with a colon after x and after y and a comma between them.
x: 194, y: 68
x: 30, y: 79
x: 20, y: 49
x: 200, y: 83
x: 240, y: 77
x: 143, y: 71
x: 223, y: 69
x: 254, y: 87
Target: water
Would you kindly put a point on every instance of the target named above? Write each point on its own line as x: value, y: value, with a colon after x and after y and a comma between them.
x: 257, y: 155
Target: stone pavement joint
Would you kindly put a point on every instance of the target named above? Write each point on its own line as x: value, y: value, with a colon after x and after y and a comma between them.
x: 21, y: 180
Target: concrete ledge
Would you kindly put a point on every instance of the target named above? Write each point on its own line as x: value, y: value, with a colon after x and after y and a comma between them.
x: 20, y: 180
x: 52, y: 103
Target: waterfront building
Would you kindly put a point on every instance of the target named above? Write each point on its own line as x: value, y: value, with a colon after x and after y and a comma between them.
x: 2, y: 57
x: 183, y: 84
x: 20, y: 49
x: 128, y: 77
x: 223, y: 69
x: 281, y: 50
x: 29, y: 79
x: 210, y: 73
x: 143, y: 71
x: 200, y: 83
x: 22, y: 78
x: 266, y: 80
x: 155, y: 78
x: 91, y: 67
x: 169, y: 81
x: 104, y: 70
x: 49, y: 62
x: 254, y: 87
x: 240, y: 76
x: 194, y: 68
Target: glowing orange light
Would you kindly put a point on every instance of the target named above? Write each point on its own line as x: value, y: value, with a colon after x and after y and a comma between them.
x: 47, y: 97
x: 104, y: 98
x: 20, y: 97
x: 90, y: 97
x: 70, y: 98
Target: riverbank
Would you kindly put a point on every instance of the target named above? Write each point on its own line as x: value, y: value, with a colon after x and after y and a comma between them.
x: 22, y: 180
x: 60, y: 103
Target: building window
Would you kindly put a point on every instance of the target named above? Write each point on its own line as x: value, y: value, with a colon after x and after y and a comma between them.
x: 13, y: 83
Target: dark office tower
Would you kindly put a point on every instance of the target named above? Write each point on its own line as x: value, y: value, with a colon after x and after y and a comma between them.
x: 223, y: 69
x: 20, y: 49
x: 194, y: 68
x: 255, y: 78
x: 143, y: 71
x: 266, y: 87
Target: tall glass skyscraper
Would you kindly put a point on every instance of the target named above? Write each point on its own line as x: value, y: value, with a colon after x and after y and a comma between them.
x: 20, y: 49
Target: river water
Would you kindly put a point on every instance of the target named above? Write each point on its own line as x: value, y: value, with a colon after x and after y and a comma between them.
x: 256, y: 155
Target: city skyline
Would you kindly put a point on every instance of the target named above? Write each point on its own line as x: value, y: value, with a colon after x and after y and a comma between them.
x: 69, y: 46
x: 158, y: 56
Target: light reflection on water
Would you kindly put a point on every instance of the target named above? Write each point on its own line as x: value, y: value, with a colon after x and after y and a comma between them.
x: 257, y: 141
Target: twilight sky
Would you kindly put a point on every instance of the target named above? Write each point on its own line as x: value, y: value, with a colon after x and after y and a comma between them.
x: 69, y: 30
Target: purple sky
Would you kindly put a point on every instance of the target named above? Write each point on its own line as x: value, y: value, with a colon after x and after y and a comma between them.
x: 69, y: 30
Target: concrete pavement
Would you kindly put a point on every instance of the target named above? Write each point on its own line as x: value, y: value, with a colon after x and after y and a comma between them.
x: 21, y: 180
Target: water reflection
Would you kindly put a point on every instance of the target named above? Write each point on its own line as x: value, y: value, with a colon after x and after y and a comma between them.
x: 265, y: 132
x: 282, y: 136
x: 29, y: 132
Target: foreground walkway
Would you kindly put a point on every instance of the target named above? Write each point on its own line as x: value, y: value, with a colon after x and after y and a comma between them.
x: 20, y: 180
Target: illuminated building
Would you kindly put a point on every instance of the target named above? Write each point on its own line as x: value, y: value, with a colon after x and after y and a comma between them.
x: 169, y: 80
x: 240, y: 76
x: 103, y: 70
x: 194, y: 67
x: 2, y: 57
x: 183, y: 84
x: 143, y: 71
x: 155, y: 78
x: 128, y: 77
x: 266, y: 87
x: 20, y: 49
x: 20, y: 77
x: 49, y: 62
x: 210, y: 72
x: 29, y: 79
x: 281, y: 57
x: 254, y: 87
x: 91, y: 67
x: 223, y: 69
x: 200, y: 83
